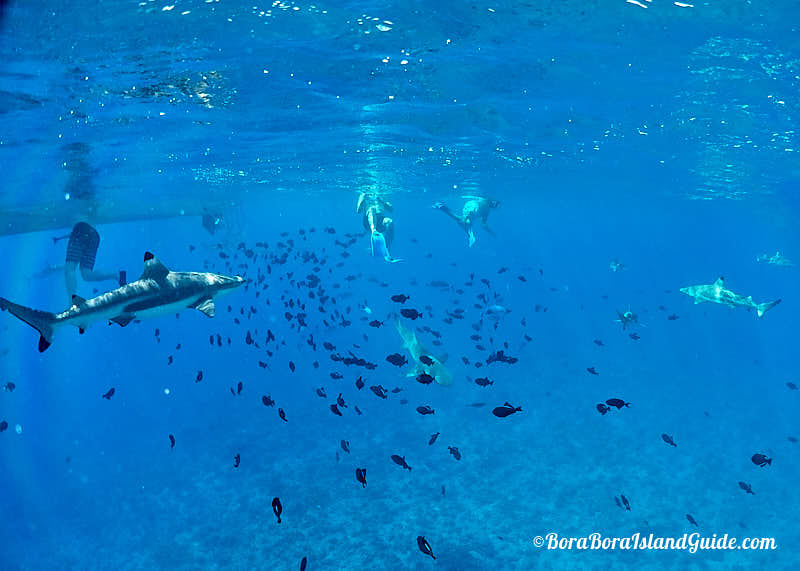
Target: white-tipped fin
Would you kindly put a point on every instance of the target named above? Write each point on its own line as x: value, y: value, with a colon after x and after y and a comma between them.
x: 207, y: 307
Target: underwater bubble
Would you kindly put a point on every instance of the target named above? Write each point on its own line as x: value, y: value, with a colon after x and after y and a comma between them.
x: 18, y: 428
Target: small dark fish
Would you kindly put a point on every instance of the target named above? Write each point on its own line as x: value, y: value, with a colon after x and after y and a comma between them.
x: 592, y: 371
x: 236, y: 460
x: 335, y: 410
x: 345, y: 444
x: 761, y: 460
x: 599, y: 343
x: 400, y: 461
x: 267, y: 401
x: 199, y: 377
x: 109, y: 394
x: 321, y: 392
x: 747, y: 488
x: 329, y: 346
x: 375, y: 323
x: 397, y: 359
x: 400, y: 298
x: 397, y: 390
x: 506, y: 410
x: 691, y: 519
x: 791, y: 386
x: 239, y: 387
x: 625, y: 502
x: 618, y: 403
x: 361, y: 476
x: 454, y: 452
x: 424, y: 546
x: 9, y: 387
x: 282, y: 415
x: 359, y: 383
x: 303, y: 563
x: 668, y: 439
x: 433, y: 438
x: 424, y: 378
x: 673, y: 317
x: 410, y: 313
x: 277, y: 508
x: 336, y: 376
x: 171, y: 441
x: 378, y: 390
x: 425, y: 360
x: 634, y: 336
x: 483, y: 382
x: 602, y: 409
x: 340, y: 401
x: 291, y: 366
x: 423, y: 410
x: 3, y: 425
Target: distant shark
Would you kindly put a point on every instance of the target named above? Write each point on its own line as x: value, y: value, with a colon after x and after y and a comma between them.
x: 158, y: 292
x: 716, y: 293
x: 437, y: 369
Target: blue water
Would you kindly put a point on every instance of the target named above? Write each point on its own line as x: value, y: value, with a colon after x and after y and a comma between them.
x: 661, y: 137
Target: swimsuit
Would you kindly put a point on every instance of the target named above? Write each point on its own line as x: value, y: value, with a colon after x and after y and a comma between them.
x: 82, y: 246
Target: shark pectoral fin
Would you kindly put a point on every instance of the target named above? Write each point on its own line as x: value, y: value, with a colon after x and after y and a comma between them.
x: 77, y: 300
x: 122, y: 320
x: 153, y: 268
x: 207, y: 307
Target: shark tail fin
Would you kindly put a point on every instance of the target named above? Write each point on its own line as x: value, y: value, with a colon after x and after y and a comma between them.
x: 42, y: 321
x: 762, y: 308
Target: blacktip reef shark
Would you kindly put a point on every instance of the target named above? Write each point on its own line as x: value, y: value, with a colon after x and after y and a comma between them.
x: 437, y: 370
x: 716, y: 293
x: 158, y: 292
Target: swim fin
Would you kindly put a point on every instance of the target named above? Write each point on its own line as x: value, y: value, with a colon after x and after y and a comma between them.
x: 379, y: 248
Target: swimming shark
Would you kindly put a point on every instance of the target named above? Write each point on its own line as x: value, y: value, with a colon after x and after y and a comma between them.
x: 716, y: 293
x: 437, y: 370
x: 159, y: 291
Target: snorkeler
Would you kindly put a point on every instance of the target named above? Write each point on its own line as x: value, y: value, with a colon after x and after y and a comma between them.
x: 374, y: 208
x: 475, y: 207
x: 81, y: 251
x: 776, y: 260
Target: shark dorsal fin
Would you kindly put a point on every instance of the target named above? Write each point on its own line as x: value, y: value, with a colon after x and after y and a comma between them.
x: 77, y: 300
x: 720, y: 282
x: 207, y: 307
x: 153, y: 269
